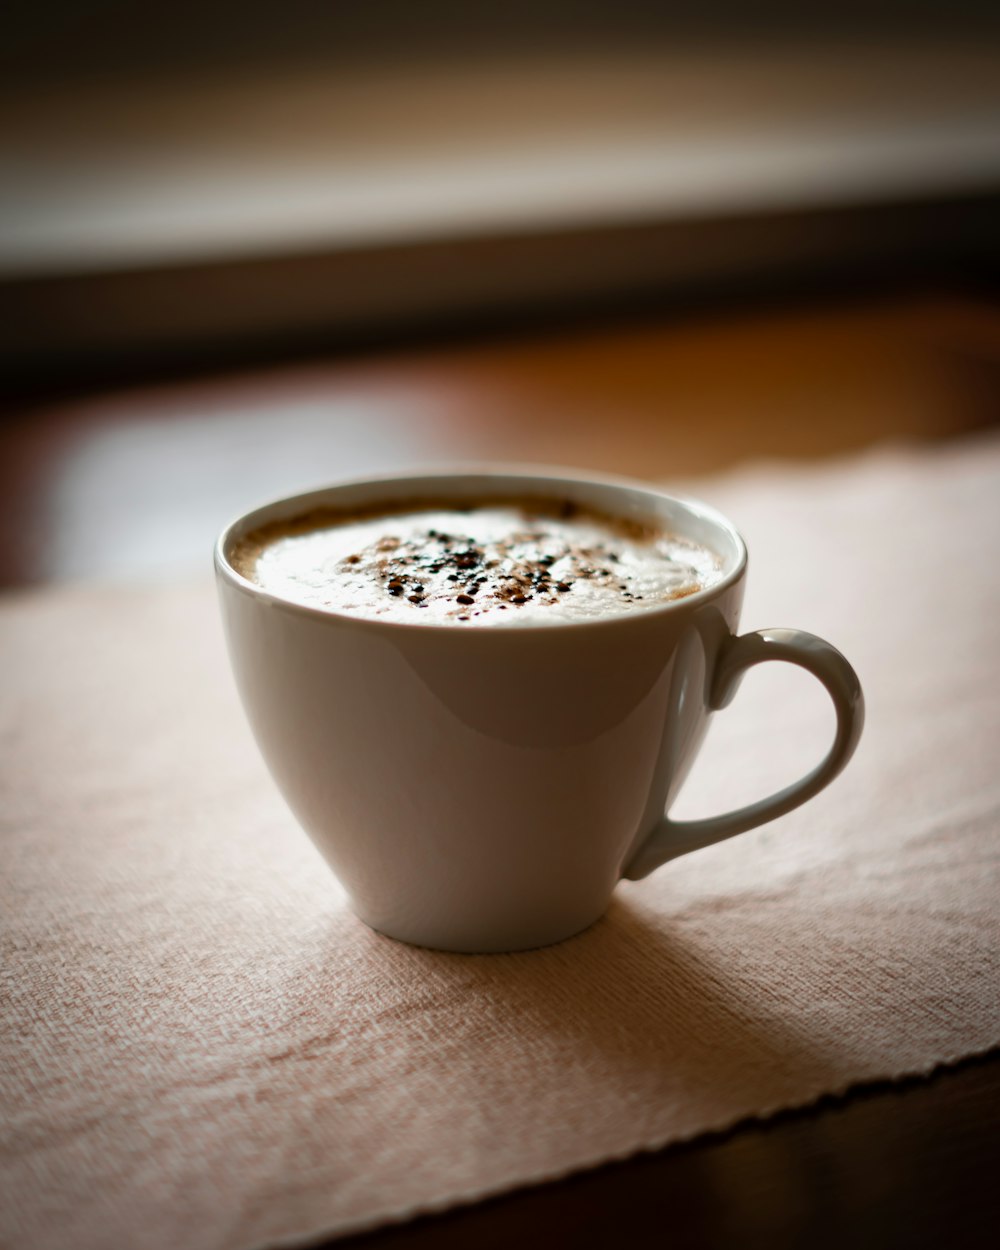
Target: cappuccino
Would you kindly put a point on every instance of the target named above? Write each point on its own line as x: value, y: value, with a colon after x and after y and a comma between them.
x: 496, y: 562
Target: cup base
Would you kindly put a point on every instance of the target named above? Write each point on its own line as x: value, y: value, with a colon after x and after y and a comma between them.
x: 510, y: 945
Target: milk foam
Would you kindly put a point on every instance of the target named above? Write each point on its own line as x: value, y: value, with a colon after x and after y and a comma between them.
x: 501, y: 564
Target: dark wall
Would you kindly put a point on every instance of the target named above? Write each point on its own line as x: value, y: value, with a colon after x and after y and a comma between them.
x: 57, y: 39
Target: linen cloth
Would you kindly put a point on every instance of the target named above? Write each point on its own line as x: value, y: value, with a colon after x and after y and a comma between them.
x: 203, y: 1047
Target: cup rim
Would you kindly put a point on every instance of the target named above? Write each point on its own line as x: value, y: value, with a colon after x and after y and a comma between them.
x: 527, y: 472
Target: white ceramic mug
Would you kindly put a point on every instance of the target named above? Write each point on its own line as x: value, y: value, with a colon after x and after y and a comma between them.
x: 485, y: 789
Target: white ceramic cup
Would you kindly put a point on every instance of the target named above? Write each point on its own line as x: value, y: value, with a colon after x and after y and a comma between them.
x: 485, y: 788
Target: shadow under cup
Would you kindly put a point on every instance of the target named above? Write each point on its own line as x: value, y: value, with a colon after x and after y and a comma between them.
x: 481, y: 789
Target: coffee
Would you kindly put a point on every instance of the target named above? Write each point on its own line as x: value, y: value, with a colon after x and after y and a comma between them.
x: 483, y: 783
x: 496, y: 562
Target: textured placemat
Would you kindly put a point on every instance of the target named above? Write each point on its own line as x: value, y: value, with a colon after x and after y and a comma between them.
x: 201, y: 1047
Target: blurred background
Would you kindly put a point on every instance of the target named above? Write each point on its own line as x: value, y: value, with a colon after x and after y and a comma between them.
x: 247, y: 249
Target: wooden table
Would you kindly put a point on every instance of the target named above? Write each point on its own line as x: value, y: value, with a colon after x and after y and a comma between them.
x: 133, y: 483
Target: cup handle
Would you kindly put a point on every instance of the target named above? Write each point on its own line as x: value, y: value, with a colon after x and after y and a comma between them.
x: 672, y: 838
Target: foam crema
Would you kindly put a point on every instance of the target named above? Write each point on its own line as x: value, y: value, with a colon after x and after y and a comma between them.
x: 497, y: 562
